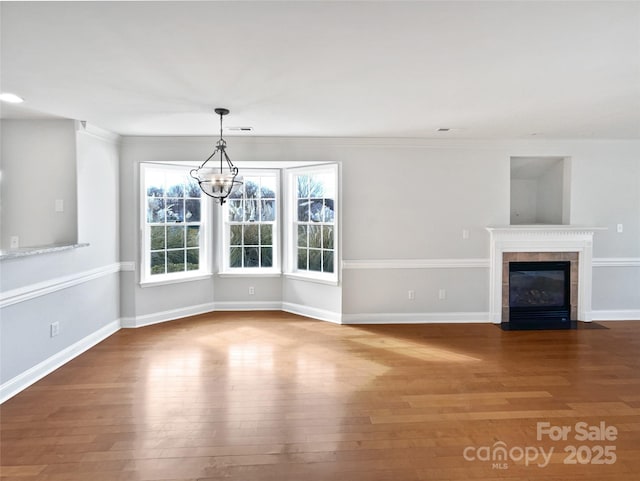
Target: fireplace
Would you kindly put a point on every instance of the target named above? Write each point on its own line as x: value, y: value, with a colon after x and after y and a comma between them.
x: 539, y: 294
x: 541, y: 243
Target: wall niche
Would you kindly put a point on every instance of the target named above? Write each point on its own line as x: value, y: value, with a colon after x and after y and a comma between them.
x: 540, y: 190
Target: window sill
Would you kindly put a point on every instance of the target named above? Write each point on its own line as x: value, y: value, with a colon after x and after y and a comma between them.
x: 248, y: 273
x: 177, y: 280
x: 308, y: 278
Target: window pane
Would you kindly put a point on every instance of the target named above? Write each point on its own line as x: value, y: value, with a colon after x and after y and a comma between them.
x: 193, y: 236
x: 251, y: 235
x: 303, y: 186
x: 175, y: 237
x: 325, y: 183
x: 251, y: 207
x: 235, y: 257
x: 302, y: 259
x: 327, y: 261
x: 266, y: 259
x: 193, y: 259
x: 175, y: 261
x: 175, y: 184
x: 316, y: 210
x: 316, y: 189
x: 236, y: 235
x: 315, y: 260
x: 157, y: 262
x: 237, y: 192
x: 155, y: 210
x: 268, y: 212
x: 327, y: 236
x: 315, y: 236
x: 235, y: 211
x: 175, y: 210
x: 328, y: 211
x: 251, y: 257
x: 157, y: 238
x: 192, y: 207
x: 155, y: 183
x: 268, y: 187
x: 251, y: 187
x: 303, y: 210
x: 302, y: 236
x: 266, y: 235
x: 192, y: 189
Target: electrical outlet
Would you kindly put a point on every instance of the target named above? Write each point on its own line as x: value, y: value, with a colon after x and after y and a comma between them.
x: 252, y: 290
x: 411, y: 295
x: 442, y: 294
x: 55, y: 328
x: 14, y: 242
x: 59, y: 205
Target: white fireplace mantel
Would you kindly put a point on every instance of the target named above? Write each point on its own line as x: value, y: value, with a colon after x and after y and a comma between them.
x: 541, y: 238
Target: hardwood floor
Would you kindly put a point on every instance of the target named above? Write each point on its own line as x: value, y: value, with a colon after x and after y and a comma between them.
x: 273, y: 396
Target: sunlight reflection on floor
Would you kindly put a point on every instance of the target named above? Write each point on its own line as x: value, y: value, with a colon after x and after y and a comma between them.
x: 415, y: 350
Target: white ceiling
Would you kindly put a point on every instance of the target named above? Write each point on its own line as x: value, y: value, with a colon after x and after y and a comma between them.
x: 379, y: 69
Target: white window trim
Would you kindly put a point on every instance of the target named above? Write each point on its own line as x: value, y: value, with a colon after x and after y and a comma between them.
x: 186, y: 278
x: 223, y: 227
x: 205, y: 271
x: 290, y: 222
x: 310, y: 277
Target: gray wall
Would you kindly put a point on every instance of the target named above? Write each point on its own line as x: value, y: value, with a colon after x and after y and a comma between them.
x: 606, y: 192
x: 524, y: 201
x: 550, y: 195
x: 406, y: 199
x: 91, y: 303
x: 402, y: 200
x: 38, y: 161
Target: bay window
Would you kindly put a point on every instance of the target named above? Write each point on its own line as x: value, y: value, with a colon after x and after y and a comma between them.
x: 178, y: 235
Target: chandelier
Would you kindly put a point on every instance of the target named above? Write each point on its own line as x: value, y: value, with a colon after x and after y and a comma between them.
x: 218, y: 182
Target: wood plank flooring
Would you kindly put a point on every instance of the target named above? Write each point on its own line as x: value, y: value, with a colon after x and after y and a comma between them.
x: 271, y: 396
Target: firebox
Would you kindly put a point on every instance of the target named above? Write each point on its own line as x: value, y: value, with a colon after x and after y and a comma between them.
x: 539, y: 294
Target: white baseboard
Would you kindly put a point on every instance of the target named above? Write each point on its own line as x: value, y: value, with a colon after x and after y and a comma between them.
x: 417, y: 318
x: 313, y: 312
x: 173, y: 314
x: 30, y: 376
x: 170, y: 315
x: 617, y: 315
x: 248, y: 306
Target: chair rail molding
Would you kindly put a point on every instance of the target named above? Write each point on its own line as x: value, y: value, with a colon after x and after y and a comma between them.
x: 31, y: 291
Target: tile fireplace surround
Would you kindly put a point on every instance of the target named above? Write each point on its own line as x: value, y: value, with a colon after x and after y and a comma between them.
x: 542, y: 242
